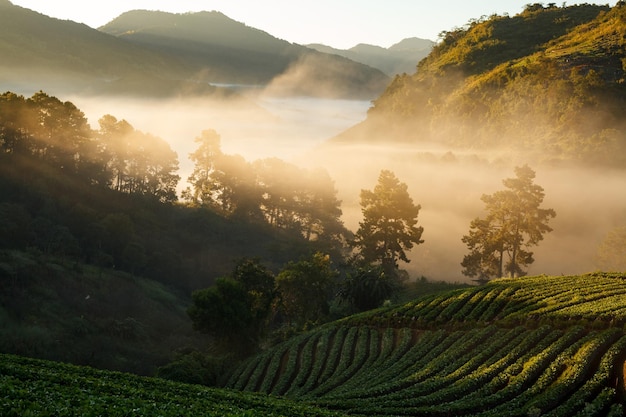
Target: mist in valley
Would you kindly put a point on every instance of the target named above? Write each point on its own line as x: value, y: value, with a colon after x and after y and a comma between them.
x: 446, y: 183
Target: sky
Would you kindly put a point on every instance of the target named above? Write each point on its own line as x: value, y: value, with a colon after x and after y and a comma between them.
x: 338, y: 23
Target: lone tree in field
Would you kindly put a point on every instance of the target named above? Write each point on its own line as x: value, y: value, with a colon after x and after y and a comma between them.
x: 389, y: 224
x: 499, y: 243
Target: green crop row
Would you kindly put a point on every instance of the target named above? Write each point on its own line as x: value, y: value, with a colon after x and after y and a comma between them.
x: 591, y: 297
x: 486, y: 371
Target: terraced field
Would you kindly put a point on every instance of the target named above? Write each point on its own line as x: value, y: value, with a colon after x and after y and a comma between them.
x: 534, y: 346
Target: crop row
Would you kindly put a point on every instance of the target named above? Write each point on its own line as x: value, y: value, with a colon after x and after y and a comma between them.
x: 487, y: 371
x: 592, y: 297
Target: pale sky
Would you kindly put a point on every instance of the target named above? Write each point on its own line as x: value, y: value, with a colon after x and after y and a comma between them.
x: 338, y: 23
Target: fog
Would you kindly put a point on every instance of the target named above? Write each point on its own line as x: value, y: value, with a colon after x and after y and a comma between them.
x: 448, y: 186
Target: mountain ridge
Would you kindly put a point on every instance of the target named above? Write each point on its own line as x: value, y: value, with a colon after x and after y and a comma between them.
x: 401, y: 57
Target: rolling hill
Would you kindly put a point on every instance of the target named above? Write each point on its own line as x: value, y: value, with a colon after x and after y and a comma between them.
x: 547, y: 84
x: 162, y: 55
x: 517, y: 347
x: 399, y: 58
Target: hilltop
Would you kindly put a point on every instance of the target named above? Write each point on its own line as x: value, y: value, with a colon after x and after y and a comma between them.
x: 547, y: 84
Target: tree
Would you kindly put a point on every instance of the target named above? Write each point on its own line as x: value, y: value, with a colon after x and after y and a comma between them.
x: 224, y: 182
x: 224, y: 312
x: 367, y: 287
x: 305, y: 288
x: 209, y: 149
x: 513, y: 224
x: 389, y: 224
x: 139, y: 163
x: 236, y: 309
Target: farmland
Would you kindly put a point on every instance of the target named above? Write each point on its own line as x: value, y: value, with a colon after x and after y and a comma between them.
x: 533, y: 346
x: 530, y: 346
x: 33, y: 387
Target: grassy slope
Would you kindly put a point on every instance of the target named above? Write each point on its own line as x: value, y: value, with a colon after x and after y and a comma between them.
x: 67, y: 311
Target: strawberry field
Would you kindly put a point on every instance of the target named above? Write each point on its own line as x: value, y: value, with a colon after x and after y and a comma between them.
x: 533, y: 346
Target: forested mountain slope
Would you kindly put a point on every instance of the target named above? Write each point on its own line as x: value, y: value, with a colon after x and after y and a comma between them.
x: 97, y: 257
x: 548, y: 83
x: 517, y: 347
x: 225, y: 51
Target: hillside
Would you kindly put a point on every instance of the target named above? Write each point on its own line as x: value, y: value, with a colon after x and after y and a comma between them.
x: 399, y: 58
x: 225, y: 51
x: 546, y: 84
x: 516, y: 347
x: 98, y: 258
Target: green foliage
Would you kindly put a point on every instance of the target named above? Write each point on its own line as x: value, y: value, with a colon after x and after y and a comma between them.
x: 389, y: 224
x: 236, y: 309
x: 304, y: 289
x: 367, y: 288
x: 30, y: 387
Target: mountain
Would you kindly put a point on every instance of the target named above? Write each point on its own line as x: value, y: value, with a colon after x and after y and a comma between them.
x: 39, y: 52
x: 160, y: 54
x: 222, y: 50
x: 397, y: 59
x: 545, y: 85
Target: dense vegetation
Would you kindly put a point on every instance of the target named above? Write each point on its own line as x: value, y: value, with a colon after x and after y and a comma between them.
x: 548, y: 83
x: 527, y: 346
x: 31, y: 387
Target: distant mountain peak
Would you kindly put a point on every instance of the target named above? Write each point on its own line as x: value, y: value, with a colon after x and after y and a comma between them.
x: 401, y: 57
x: 412, y: 44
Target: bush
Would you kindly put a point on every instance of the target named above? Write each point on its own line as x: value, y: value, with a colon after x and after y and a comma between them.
x: 197, y: 368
